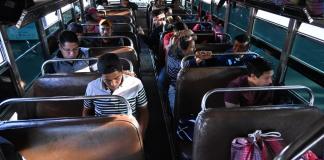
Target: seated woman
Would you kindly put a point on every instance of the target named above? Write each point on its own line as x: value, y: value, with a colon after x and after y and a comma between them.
x: 183, y: 46
x: 92, y: 18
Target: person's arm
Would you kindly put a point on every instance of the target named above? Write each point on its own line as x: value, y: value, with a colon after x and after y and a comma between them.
x: 87, y: 112
x: 143, y: 118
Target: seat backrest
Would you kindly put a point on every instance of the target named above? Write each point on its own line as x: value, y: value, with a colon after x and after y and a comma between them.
x: 214, y: 47
x: 122, y: 27
x: 116, y: 138
x: 120, y: 19
x: 216, y: 128
x: 74, y: 84
x: 193, y: 83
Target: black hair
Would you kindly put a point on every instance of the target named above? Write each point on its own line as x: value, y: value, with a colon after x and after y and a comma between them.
x: 178, y: 26
x: 166, y: 9
x: 67, y: 36
x: 109, y: 63
x: 157, y: 12
x: 242, y: 38
x: 258, y: 66
x: 99, y: 2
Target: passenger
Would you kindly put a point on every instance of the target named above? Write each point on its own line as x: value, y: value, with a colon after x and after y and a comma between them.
x: 259, y: 74
x: 92, y: 19
x: 105, y: 28
x: 101, y: 3
x: 168, y: 11
x: 114, y: 82
x: 69, y: 48
x: 128, y: 4
x: 78, y: 30
x: 185, y: 45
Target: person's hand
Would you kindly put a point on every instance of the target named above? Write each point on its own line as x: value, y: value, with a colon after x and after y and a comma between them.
x: 140, y: 30
x: 202, y: 55
x: 127, y: 72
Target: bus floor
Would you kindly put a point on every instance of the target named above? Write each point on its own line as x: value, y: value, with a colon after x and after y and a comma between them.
x: 156, y: 142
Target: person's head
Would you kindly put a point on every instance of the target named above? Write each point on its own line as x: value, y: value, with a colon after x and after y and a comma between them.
x: 158, y: 18
x: 92, y: 15
x: 178, y: 26
x: 105, y: 27
x: 68, y: 44
x: 241, y: 43
x: 111, y: 70
x: 259, y: 72
x: 124, y: 3
x: 168, y: 11
x: 76, y: 28
x: 186, y: 43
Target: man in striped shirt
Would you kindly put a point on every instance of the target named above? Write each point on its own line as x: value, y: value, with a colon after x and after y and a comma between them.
x: 114, y: 82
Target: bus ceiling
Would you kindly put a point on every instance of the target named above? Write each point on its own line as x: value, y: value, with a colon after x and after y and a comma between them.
x: 24, y: 12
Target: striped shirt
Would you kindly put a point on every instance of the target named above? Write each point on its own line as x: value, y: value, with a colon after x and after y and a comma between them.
x: 131, y: 89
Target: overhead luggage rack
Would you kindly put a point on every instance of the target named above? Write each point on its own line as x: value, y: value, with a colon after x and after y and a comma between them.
x: 40, y: 10
x: 297, y: 12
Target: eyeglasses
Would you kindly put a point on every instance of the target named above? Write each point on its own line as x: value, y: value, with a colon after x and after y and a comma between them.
x: 70, y: 50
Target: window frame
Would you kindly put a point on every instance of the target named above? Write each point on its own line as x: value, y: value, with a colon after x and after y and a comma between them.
x: 48, y: 25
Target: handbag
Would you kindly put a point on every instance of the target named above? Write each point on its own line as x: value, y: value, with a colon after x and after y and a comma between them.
x: 262, y: 146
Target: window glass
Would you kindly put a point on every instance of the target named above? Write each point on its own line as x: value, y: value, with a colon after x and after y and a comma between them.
x: 53, y: 28
x: 29, y: 66
x: 221, y: 13
x: 67, y: 16
x: 50, y: 19
x: 66, y: 8
x: 273, y: 34
x: 183, y: 3
x: 240, y: 16
x: 27, y: 50
x: 22, y: 39
x: 234, y: 31
x: 309, y: 51
x: 295, y: 78
x: 283, y: 21
x: 207, y: 1
x: 311, y: 30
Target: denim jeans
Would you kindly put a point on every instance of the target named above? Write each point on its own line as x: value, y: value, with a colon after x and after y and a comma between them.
x: 171, y: 94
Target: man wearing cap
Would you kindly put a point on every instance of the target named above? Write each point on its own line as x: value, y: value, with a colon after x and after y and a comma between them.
x: 92, y: 19
x: 114, y: 82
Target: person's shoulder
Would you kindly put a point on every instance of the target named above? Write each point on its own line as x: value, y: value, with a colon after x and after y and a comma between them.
x: 131, y: 79
x: 240, y: 81
x: 94, y: 83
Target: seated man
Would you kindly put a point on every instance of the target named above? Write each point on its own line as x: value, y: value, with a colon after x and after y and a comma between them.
x: 69, y: 49
x: 105, y: 30
x: 78, y: 30
x: 130, y: 5
x: 114, y: 82
x: 259, y: 74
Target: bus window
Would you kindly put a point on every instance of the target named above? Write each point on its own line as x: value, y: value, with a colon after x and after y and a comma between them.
x: 275, y: 33
x: 50, y: 23
x: 295, y: 78
x: 240, y: 16
x: 27, y: 51
x: 67, y: 13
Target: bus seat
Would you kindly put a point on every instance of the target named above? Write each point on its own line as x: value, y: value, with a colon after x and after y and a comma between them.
x: 116, y: 138
x: 120, y: 19
x: 122, y: 27
x: 214, y: 47
x: 217, y: 127
x: 192, y: 84
x: 132, y: 36
x: 74, y: 84
x: 205, y: 38
x: 123, y: 52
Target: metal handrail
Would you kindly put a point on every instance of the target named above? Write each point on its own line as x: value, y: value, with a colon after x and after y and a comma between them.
x: 64, y: 98
x: 303, y: 143
x: 131, y: 66
x: 110, y: 37
x: 222, y: 54
x: 264, y: 88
